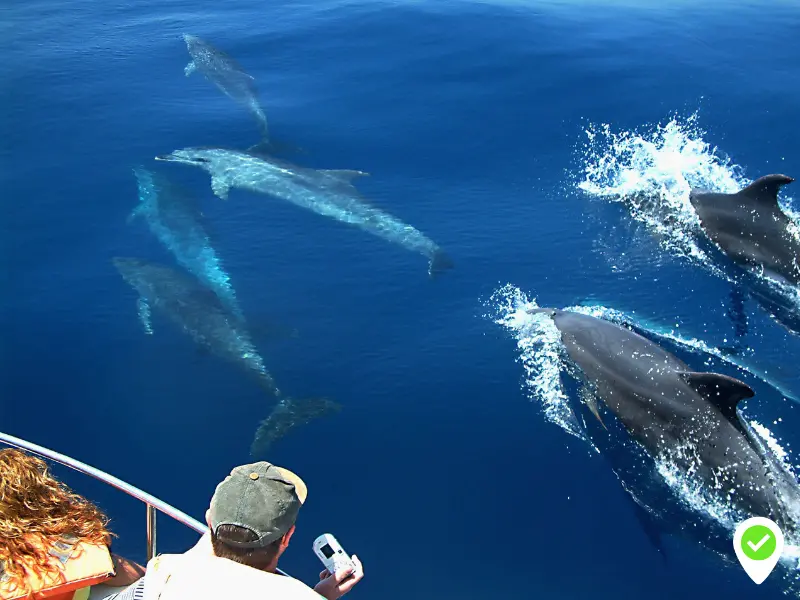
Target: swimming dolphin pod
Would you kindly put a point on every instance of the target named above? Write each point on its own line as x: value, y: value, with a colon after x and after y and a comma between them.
x: 687, y: 418
x: 329, y: 193
x: 229, y: 77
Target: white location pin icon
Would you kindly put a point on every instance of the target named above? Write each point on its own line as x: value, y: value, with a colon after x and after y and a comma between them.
x: 758, y: 543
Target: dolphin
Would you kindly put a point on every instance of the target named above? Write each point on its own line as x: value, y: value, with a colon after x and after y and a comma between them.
x: 200, y: 313
x: 762, y: 243
x: 174, y: 218
x: 329, y: 193
x: 750, y: 228
x: 686, y: 418
x: 287, y: 414
x: 225, y: 73
x: 197, y: 310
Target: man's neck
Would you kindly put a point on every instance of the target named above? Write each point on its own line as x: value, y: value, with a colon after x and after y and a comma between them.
x: 272, y: 567
x: 203, y: 546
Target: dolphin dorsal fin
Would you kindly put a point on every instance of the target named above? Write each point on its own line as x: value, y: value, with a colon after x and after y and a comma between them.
x: 722, y: 391
x: 765, y: 189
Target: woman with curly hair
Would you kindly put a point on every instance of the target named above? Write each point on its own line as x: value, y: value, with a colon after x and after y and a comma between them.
x: 53, y: 542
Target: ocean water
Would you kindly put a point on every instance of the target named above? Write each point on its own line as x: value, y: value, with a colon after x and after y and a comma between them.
x: 507, y: 132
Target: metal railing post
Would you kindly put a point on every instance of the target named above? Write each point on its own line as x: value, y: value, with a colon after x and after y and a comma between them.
x: 151, y: 531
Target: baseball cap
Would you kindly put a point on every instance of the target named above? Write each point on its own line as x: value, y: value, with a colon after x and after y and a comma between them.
x: 260, y: 497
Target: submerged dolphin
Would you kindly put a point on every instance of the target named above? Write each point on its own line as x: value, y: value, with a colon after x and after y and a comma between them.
x: 686, y: 418
x: 228, y: 76
x: 174, y: 218
x: 195, y: 309
x: 200, y: 313
x: 288, y: 414
x: 326, y: 192
x: 750, y: 227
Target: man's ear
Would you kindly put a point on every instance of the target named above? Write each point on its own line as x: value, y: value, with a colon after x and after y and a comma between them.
x: 286, y: 537
x: 208, y: 518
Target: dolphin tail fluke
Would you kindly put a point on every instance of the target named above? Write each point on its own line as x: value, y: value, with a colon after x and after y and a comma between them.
x: 288, y: 414
x: 440, y: 262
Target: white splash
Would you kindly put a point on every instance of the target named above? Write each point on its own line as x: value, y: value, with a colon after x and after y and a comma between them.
x: 693, y: 493
x: 652, y: 173
x: 540, y: 352
x: 772, y: 443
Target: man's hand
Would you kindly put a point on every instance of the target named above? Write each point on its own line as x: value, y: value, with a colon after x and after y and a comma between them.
x: 336, y: 586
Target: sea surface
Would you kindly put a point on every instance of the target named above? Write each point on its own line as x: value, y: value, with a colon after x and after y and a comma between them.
x: 506, y: 131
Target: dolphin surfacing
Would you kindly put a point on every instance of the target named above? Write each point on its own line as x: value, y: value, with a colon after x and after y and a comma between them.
x: 676, y: 414
x: 329, y: 193
x: 750, y: 228
x: 229, y: 77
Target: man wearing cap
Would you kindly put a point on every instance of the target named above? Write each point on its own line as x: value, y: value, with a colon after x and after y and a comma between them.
x: 251, y: 520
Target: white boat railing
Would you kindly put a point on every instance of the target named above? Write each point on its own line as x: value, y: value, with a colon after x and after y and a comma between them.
x: 151, y: 502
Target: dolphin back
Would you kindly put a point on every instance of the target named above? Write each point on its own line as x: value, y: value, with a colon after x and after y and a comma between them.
x: 229, y: 77
x: 750, y: 227
x: 665, y: 406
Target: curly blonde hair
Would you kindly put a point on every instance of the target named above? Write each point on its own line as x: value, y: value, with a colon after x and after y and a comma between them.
x: 37, y: 510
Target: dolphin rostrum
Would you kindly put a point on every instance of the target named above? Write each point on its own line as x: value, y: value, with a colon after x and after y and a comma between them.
x: 326, y: 192
x: 750, y: 228
x: 687, y: 418
x: 225, y: 73
x: 174, y: 218
x: 197, y: 310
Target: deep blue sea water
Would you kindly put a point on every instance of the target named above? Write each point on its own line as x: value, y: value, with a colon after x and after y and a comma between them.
x: 440, y: 471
